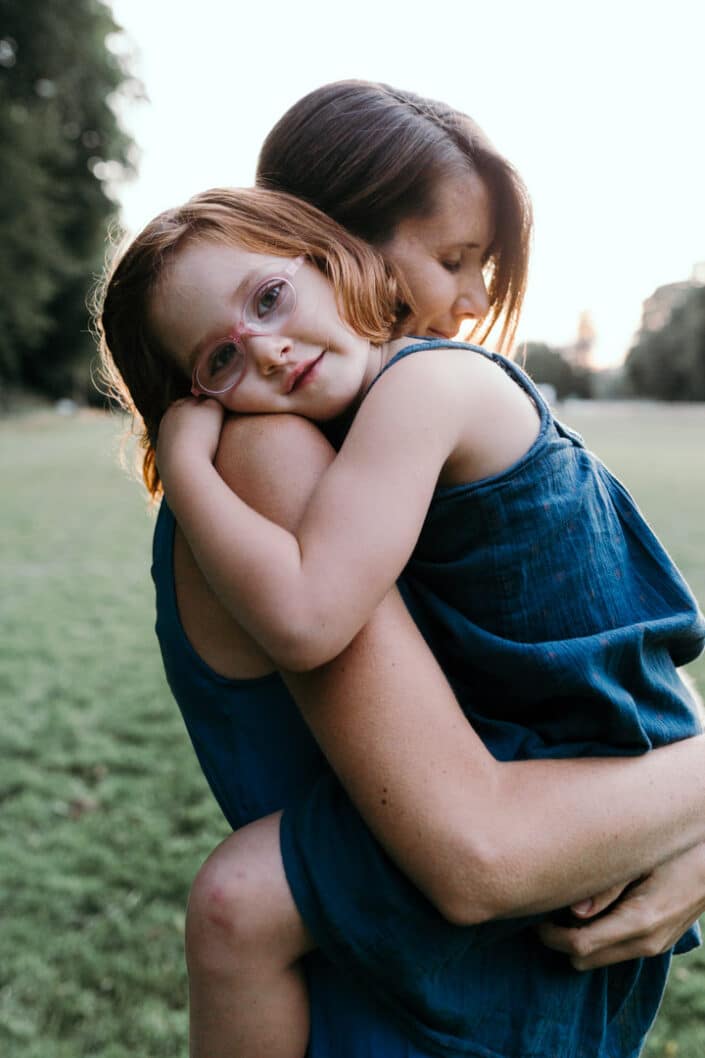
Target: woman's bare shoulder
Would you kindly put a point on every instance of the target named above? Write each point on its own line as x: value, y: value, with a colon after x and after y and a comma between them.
x: 273, y: 462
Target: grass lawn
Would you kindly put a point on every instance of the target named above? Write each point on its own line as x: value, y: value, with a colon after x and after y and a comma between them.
x: 105, y: 816
x: 659, y: 452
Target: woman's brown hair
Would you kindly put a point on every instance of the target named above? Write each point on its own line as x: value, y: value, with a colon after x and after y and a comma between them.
x: 370, y: 156
x: 138, y: 373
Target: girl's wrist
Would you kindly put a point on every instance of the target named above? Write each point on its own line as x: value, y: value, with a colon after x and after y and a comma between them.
x: 184, y: 468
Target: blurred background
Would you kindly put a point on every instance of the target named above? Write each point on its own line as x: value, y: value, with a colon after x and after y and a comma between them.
x: 112, y: 112
x: 121, y: 112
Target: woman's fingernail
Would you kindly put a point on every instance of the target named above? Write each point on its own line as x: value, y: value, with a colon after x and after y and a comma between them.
x: 582, y: 907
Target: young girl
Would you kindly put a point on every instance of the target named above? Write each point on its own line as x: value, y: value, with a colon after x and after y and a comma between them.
x: 312, y: 362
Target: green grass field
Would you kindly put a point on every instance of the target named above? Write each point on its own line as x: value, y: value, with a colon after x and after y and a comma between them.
x: 105, y: 816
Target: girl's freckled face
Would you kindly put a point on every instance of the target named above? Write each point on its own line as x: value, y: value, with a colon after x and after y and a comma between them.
x: 316, y: 367
x: 442, y: 256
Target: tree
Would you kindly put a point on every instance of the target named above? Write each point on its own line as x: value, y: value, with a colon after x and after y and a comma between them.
x: 61, y: 145
x: 668, y: 363
x: 547, y: 365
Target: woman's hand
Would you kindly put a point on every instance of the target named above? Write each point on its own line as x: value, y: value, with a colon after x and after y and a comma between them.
x: 648, y: 919
x: 189, y: 434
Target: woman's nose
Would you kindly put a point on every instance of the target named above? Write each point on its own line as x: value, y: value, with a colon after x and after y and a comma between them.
x: 472, y: 301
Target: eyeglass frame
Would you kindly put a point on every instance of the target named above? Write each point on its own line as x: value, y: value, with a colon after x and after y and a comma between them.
x: 238, y: 333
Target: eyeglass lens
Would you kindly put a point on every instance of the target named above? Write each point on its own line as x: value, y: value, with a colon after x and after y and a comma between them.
x: 267, y: 308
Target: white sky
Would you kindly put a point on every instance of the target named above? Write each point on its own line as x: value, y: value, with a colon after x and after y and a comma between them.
x: 600, y: 105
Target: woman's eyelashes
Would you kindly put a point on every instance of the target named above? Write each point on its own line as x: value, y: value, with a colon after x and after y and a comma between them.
x: 468, y: 258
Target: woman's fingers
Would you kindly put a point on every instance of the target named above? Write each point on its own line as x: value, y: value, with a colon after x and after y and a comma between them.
x: 628, y: 931
x: 594, y: 905
x: 648, y: 919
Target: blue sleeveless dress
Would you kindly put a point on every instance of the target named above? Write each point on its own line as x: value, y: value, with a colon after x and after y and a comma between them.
x: 559, y: 620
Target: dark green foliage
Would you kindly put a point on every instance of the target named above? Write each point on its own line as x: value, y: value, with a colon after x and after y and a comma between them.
x: 669, y: 363
x: 60, y: 143
x: 550, y: 367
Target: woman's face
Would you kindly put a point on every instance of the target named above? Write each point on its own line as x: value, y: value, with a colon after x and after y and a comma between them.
x: 312, y: 364
x: 442, y: 256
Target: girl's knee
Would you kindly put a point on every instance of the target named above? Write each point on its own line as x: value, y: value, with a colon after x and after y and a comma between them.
x: 240, y: 908
x: 223, y: 916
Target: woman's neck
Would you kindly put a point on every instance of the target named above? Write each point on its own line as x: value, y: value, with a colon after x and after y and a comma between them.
x: 380, y: 355
x: 385, y: 353
x: 378, y: 358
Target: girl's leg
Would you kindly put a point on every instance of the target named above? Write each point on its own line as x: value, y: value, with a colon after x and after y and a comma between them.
x: 244, y: 940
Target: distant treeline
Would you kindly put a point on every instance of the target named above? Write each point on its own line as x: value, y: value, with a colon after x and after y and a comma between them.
x: 666, y: 362
x: 60, y: 146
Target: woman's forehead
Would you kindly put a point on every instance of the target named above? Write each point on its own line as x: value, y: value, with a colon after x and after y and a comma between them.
x: 462, y: 213
x: 462, y: 202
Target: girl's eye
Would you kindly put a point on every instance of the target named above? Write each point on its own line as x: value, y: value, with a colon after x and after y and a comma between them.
x: 267, y: 299
x: 223, y: 359
x: 452, y: 266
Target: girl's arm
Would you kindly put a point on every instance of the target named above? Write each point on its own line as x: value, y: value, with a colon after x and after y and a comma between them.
x: 482, y: 839
x: 303, y: 596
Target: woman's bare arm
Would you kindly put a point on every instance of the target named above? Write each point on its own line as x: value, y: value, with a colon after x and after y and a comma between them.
x: 482, y: 839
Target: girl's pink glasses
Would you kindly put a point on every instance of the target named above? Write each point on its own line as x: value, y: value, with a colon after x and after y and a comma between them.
x: 267, y: 308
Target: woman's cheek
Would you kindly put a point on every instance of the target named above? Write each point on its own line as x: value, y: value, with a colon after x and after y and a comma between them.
x: 438, y: 299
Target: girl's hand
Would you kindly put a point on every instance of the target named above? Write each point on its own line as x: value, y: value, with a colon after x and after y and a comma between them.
x: 648, y: 920
x: 188, y: 436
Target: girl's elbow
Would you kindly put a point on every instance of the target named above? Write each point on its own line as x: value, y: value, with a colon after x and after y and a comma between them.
x: 301, y: 650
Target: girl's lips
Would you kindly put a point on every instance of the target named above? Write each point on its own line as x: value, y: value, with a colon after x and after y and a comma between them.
x: 304, y: 373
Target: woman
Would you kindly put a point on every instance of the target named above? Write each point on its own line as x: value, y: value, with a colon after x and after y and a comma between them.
x: 445, y: 882
x: 367, y: 154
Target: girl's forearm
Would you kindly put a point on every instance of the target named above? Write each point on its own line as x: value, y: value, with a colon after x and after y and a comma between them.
x: 252, y: 564
x: 255, y: 568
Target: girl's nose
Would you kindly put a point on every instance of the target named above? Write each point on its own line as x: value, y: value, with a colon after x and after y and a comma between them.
x: 269, y: 351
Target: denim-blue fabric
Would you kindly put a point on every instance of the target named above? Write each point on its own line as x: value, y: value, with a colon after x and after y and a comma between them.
x: 258, y: 757
x: 559, y: 619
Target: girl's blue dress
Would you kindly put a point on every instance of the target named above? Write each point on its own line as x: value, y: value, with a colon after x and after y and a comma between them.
x: 258, y: 757
x: 559, y: 619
